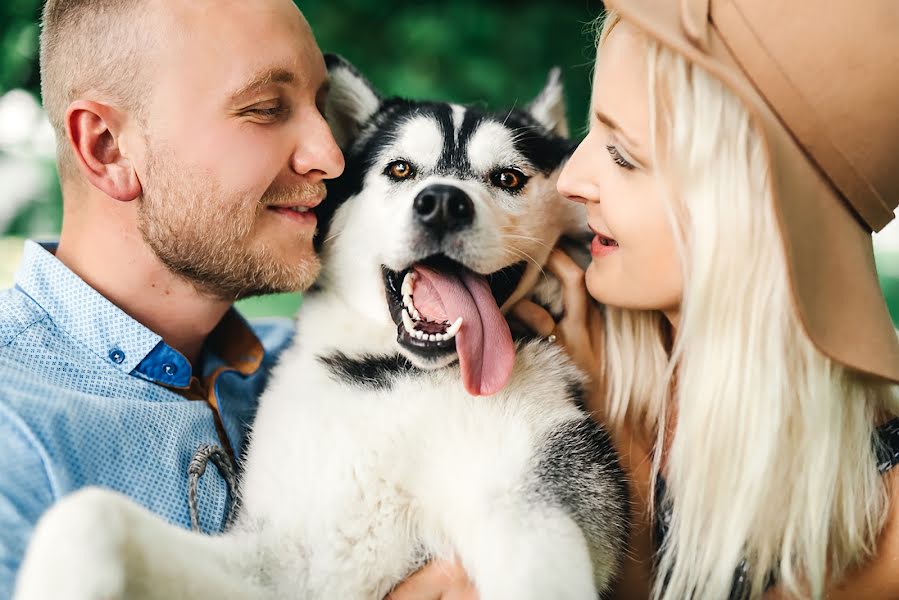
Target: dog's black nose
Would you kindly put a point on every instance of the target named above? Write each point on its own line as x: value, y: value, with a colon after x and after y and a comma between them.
x: 443, y: 208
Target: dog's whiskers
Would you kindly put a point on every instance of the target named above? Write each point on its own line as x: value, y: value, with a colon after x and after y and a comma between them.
x: 329, y: 238
x: 518, y: 253
x: 525, y: 237
x: 511, y: 110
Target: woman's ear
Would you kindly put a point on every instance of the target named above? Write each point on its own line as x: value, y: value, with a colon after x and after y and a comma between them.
x: 352, y: 101
x: 94, y: 133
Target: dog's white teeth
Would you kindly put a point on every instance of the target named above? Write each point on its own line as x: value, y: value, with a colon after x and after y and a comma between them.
x: 454, y: 328
x: 407, y: 289
x: 408, y: 281
x: 408, y: 323
x: 409, y: 320
x: 407, y: 302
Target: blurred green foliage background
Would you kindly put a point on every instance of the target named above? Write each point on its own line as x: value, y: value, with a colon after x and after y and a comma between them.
x: 472, y: 51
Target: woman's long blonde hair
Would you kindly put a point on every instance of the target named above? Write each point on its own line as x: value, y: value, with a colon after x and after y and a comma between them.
x: 772, y: 454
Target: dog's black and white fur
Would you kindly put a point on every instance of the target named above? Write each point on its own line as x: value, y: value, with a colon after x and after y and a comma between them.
x: 368, y: 457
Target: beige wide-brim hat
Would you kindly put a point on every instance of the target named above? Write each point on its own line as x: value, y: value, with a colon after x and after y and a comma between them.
x: 821, y: 81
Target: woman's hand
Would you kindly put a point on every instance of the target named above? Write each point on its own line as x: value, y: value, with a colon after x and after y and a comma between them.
x: 438, y: 580
x: 580, y: 332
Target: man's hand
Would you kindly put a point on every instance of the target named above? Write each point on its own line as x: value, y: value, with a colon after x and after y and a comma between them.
x: 438, y: 580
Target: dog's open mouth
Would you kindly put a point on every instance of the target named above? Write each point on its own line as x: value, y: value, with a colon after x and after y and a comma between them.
x: 441, y: 307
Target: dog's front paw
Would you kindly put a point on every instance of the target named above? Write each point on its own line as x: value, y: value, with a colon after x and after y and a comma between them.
x: 77, y: 551
x: 548, y: 294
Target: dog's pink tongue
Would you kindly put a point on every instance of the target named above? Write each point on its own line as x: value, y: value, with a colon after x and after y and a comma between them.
x: 484, y: 344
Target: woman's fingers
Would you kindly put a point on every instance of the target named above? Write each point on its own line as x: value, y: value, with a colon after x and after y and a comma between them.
x: 439, y: 580
x: 574, y: 291
x: 535, y: 317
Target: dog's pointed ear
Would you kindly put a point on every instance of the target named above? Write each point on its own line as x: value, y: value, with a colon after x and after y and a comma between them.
x: 352, y: 100
x: 549, y: 106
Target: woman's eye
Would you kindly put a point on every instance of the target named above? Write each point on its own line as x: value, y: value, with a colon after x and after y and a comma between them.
x: 618, y: 159
x: 511, y: 180
x: 399, y: 170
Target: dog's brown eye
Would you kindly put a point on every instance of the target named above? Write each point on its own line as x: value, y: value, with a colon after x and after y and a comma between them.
x: 400, y: 169
x: 509, y: 179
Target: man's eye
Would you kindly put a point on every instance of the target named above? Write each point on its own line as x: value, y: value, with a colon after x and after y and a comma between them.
x: 268, y: 112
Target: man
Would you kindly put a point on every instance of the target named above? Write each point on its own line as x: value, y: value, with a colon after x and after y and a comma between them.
x: 191, y: 152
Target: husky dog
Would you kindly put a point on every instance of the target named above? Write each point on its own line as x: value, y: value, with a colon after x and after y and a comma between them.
x: 405, y: 424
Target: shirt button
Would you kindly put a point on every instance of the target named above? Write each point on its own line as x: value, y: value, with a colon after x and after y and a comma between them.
x: 169, y: 370
x: 117, y: 356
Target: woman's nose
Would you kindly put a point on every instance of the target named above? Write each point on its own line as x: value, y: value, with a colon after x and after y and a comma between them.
x: 577, y: 180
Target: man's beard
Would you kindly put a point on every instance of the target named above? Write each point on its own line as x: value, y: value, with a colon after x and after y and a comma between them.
x: 206, y: 237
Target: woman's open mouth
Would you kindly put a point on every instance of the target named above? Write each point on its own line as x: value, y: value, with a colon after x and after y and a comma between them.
x: 606, y: 241
x: 602, y: 246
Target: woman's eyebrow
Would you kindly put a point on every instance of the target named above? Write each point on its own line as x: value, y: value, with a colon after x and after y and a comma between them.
x: 633, y: 148
x: 611, y: 124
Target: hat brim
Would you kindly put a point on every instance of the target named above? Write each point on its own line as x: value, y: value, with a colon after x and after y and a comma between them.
x: 829, y: 253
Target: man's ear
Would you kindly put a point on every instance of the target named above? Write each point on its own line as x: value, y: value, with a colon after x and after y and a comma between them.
x: 94, y: 131
x: 549, y: 106
x: 352, y: 101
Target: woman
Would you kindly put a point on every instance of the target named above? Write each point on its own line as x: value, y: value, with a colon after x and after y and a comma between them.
x: 738, y: 159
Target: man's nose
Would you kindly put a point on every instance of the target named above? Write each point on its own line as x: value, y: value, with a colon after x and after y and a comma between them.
x: 316, y: 156
x: 443, y: 209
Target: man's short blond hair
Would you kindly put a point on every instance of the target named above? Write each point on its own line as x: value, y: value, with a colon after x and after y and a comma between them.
x: 91, y: 49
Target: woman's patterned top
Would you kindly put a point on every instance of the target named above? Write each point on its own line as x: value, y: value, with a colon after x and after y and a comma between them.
x: 886, y: 449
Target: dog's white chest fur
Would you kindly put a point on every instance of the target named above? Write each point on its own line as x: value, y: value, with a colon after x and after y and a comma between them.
x: 397, y: 474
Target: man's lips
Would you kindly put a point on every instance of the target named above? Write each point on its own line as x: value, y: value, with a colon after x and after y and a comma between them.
x: 300, y: 211
x: 307, y: 204
x: 300, y: 214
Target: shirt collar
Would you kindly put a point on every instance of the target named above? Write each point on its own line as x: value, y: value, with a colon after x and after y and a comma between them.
x: 233, y: 345
x: 115, y: 337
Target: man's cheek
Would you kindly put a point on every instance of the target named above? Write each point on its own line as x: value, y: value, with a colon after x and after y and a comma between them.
x: 248, y: 166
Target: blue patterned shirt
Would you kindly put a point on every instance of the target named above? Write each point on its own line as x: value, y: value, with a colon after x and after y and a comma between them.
x: 89, y: 396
